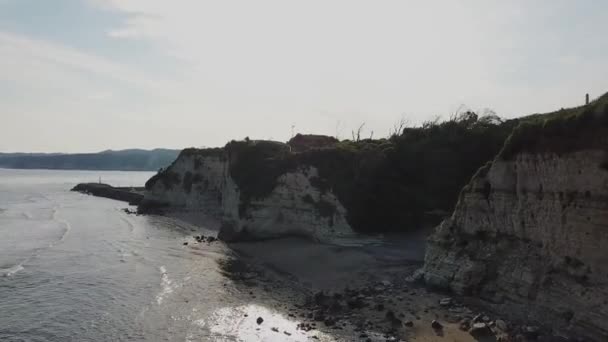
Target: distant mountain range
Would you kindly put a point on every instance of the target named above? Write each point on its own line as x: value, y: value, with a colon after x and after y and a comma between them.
x: 124, y: 160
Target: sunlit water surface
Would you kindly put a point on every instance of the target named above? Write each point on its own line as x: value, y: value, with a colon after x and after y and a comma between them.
x: 77, y: 268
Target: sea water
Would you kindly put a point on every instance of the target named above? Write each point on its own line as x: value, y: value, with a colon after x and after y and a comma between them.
x: 77, y: 268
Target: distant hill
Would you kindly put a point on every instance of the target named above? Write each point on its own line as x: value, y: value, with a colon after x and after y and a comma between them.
x: 125, y: 160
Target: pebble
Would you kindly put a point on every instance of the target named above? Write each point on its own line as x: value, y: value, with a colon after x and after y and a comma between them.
x: 445, y: 302
x: 480, y: 329
x: 436, y: 325
x: 500, y: 324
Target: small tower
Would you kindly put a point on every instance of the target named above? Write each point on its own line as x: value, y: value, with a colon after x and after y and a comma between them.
x: 587, y: 99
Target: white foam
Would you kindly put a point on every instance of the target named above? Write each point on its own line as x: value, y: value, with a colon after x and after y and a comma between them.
x: 239, y: 323
x: 9, y: 272
x: 65, y: 223
x: 166, y: 286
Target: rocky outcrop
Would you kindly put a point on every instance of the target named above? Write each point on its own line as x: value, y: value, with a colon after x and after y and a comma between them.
x: 530, y: 231
x: 253, y: 191
x: 128, y: 194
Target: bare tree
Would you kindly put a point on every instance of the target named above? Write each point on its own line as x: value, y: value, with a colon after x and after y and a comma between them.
x: 398, y: 127
x: 338, y: 129
x: 489, y: 117
x: 432, y: 123
x: 458, y: 112
x: 357, y: 135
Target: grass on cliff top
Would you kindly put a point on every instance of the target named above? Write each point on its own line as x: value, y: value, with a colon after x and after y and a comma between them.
x: 385, y: 184
x: 563, y: 131
x: 255, y: 167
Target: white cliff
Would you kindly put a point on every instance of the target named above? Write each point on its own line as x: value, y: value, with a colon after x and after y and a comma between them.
x: 530, y: 234
x: 294, y: 207
x: 199, y: 181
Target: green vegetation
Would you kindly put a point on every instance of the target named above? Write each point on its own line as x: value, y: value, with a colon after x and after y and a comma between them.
x: 391, y: 184
x: 395, y: 184
x: 255, y: 166
x: 562, y: 131
x: 167, y: 177
x: 385, y: 184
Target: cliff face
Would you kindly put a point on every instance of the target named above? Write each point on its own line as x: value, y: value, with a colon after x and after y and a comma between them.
x: 254, y: 199
x: 194, y: 182
x: 293, y: 207
x: 530, y: 231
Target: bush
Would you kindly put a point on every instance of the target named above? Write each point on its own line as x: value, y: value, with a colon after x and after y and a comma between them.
x: 560, y: 132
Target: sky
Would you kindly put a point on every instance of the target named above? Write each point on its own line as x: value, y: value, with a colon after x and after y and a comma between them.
x: 91, y: 75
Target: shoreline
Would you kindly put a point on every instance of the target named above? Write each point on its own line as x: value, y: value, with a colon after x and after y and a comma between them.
x: 334, y: 292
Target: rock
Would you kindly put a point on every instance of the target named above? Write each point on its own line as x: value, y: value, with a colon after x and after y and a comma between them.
x: 185, y: 243
x: 416, y: 277
x: 464, y: 325
x: 408, y: 323
x: 531, y: 332
x: 318, y: 316
x: 436, y: 325
x: 274, y: 329
x: 480, y: 330
x: 386, y: 283
x: 329, y: 322
x: 500, y: 324
x: 445, y: 302
x: 320, y: 298
x: 355, y: 303
x: 260, y: 320
x: 335, y: 307
x: 287, y: 333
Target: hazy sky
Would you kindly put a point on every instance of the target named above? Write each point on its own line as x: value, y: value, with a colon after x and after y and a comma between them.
x: 88, y: 75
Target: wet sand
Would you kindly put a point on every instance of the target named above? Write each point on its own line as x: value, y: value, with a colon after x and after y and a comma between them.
x: 347, y: 290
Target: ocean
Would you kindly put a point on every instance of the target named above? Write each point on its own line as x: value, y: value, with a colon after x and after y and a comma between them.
x: 77, y: 268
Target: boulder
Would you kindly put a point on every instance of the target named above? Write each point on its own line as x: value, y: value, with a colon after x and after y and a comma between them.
x: 480, y: 329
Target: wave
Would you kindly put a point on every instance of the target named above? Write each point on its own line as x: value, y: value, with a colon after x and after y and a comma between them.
x: 66, y: 224
x: 129, y: 224
x: 9, y: 272
x: 166, y: 286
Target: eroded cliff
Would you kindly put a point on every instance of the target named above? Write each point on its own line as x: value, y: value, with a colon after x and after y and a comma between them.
x: 319, y: 186
x: 253, y: 190
x: 530, y: 231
